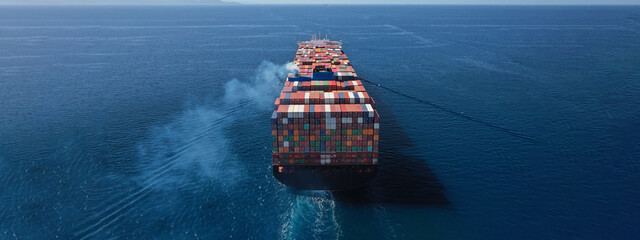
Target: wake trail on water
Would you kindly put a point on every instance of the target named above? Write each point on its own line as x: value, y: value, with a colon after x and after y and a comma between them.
x: 456, y: 113
x: 113, y: 212
x: 152, y: 179
x: 193, y: 148
x: 312, y: 214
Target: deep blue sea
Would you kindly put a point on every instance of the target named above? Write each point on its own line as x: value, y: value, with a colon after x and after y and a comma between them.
x: 498, y: 122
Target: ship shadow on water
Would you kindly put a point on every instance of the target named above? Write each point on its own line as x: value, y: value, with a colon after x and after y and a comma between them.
x: 406, y: 181
x: 402, y: 179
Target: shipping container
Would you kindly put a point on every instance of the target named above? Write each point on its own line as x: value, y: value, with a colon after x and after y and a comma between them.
x: 324, y: 127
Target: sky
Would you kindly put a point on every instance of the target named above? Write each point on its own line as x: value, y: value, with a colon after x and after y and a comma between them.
x: 207, y: 2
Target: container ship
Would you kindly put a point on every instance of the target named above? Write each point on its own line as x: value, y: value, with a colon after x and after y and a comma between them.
x: 324, y: 125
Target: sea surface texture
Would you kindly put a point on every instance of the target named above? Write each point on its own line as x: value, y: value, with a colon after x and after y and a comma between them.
x: 498, y: 122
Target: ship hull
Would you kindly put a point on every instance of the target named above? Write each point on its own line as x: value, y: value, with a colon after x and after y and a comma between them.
x: 328, y: 177
x: 324, y: 125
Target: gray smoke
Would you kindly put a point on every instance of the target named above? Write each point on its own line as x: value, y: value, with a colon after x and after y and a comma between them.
x: 262, y: 88
x: 193, y: 147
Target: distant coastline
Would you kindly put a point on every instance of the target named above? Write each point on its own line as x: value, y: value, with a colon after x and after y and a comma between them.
x: 225, y: 3
x: 118, y: 3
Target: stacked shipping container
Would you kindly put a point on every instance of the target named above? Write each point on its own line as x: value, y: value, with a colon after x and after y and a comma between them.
x: 328, y: 121
x: 327, y: 54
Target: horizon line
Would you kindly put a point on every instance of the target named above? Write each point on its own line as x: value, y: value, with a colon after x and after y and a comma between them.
x: 325, y: 4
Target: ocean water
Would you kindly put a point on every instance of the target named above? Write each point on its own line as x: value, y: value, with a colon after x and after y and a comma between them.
x: 498, y: 122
